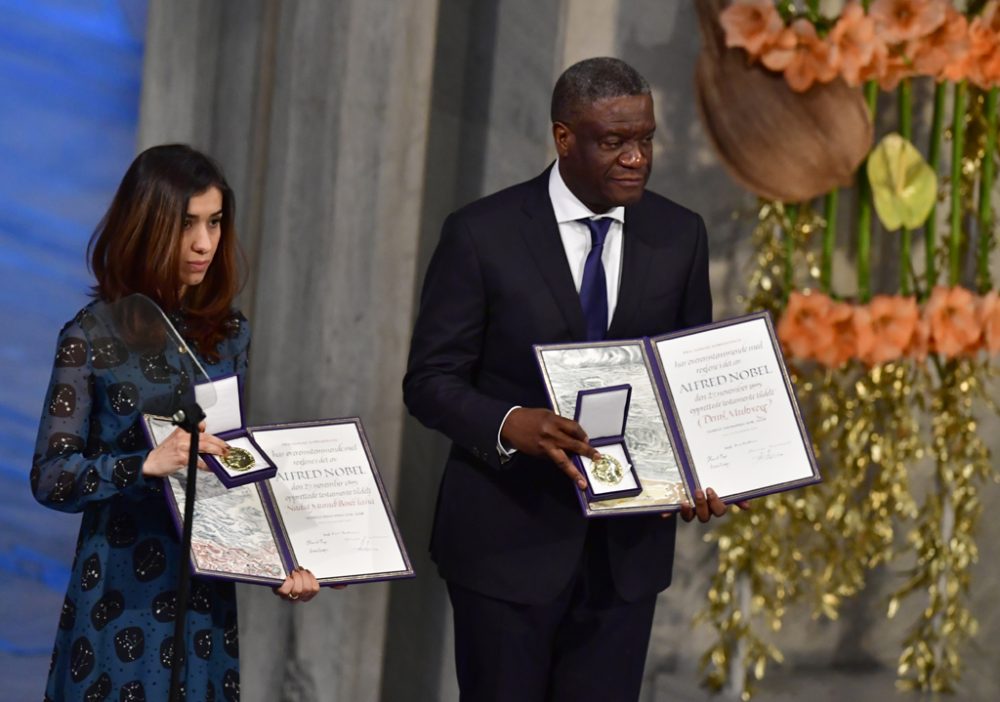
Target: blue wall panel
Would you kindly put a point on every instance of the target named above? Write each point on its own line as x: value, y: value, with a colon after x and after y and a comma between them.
x: 70, y: 74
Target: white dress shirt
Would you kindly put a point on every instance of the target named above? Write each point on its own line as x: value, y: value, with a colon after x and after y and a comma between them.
x: 575, y: 236
x: 576, y: 241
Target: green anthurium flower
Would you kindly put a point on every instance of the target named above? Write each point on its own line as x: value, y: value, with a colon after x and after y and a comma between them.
x: 903, y: 184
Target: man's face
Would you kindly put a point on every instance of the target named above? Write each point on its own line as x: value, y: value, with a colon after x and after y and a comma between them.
x: 606, y: 153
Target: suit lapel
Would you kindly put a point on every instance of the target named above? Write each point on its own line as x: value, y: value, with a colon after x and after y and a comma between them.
x: 541, y: 236
x: 636, y: 257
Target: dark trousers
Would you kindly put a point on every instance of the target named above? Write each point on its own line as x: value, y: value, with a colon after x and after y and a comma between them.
x: 587, y: 645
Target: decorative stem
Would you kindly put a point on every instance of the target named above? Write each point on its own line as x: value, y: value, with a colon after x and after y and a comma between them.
x: 947, y: 531
x: 829, y: 237
x: 791, y: 219
x: 864, y: 227
x: 986, y: 174
x: 957, y: 149
x: 930, y: 228
x: 737, y: 678
x: 906, y: 131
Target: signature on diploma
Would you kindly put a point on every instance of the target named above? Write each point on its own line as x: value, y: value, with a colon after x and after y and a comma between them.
x: 367, y: 543
x: 717, y: 460
x: 768, y: 453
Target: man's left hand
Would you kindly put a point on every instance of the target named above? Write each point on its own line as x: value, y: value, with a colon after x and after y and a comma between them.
x: 706, y: 505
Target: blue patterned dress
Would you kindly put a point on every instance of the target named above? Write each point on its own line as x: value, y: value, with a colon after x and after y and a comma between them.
x: 115, y: 635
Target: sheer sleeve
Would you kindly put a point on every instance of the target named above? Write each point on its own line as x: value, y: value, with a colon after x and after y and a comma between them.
x: 241, y: 342
x: 72, y: 465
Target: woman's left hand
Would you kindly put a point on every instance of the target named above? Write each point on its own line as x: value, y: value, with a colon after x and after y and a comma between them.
x: 300, y: 586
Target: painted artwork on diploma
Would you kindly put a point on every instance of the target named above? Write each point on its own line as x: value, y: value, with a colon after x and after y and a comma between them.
x: 231, y: 532
x: 568, y: 369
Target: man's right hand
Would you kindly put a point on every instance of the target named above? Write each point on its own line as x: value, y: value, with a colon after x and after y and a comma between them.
x: 542, y: 432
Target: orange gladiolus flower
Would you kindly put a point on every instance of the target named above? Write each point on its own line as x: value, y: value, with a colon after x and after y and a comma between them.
x: 844, y: 336
x: 989, y: 316
x: 885, y: 331
x: 751, y: 24
x: 864, y: 334
x: 944, y: 48
x: 803, y: 328
x: 887, y: 66
x: 920, y: 343
x: 801, y: 55
x: 983, y: 59
x: 852, y: 42
x: 904, y: 20
x: 989, y: 17
x: 954, y: 320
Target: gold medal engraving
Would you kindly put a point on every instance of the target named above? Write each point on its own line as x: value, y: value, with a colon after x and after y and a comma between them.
x: 237, y: 459
x: 608, y: 470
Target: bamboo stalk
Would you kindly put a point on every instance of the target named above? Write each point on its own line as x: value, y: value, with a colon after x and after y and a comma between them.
x: 957, y: 149
x: 986, y: 175
x: 791, y: 219
x: 905, y: 96
x: 736, y: 685
x: 864, y: 223
x: 829, y: 239
x: 934, y: 153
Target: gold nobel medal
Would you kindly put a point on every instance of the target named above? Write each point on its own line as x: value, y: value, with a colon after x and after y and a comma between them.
x: 237, y: 459
x: 608, y: 470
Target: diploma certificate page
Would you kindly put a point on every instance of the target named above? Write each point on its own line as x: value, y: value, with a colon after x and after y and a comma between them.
x: 328, y: 501
x: 734, y: 408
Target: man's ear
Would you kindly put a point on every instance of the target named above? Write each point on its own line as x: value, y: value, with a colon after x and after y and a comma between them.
x: 563, y: 137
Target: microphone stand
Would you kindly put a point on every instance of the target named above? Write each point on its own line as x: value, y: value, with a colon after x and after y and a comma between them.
x: 187, y: 418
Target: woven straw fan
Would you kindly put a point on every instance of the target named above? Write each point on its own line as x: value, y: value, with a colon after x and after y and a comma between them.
x: 777, y: 143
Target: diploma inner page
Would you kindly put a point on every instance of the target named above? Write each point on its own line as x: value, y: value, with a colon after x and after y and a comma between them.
x: 329, y: 503
x: 734, y: 408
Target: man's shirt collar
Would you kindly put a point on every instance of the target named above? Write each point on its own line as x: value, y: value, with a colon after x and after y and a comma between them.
x: 568, y: 207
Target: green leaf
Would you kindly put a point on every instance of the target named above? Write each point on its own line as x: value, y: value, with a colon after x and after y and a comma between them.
x: 904, y: 186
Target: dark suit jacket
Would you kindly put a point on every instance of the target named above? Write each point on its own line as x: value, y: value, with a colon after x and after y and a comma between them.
x: 498, y: 283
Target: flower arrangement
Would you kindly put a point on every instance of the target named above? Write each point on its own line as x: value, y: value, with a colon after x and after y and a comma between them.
x: 887, y: 42
x: 894, y: 375
x: 954, y: 323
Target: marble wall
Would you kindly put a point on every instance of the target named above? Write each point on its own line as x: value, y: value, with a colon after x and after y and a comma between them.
x: 349, y: 130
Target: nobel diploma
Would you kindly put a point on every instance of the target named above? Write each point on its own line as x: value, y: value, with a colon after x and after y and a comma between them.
x: 735, y: 409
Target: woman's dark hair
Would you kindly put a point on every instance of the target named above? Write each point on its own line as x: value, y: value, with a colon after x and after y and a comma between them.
x: 136, y: 247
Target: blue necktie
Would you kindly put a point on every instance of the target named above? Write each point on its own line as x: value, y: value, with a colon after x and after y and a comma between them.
x: 594, y: 286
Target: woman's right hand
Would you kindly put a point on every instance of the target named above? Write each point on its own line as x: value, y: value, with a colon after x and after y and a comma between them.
x: 172, y: 455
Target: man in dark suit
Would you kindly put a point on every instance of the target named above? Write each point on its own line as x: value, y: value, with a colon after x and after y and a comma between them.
x: 549, y: 605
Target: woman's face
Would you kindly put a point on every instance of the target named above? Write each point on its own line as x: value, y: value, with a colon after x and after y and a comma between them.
x: 200, y: 234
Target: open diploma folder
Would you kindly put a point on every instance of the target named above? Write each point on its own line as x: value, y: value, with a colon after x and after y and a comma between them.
x: 710, y: 407
x: 326, y: 509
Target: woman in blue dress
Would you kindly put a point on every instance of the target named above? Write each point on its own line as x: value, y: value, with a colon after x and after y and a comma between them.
x: 168, y: 234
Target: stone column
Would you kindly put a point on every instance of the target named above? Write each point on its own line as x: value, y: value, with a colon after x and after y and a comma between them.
x: 319, y: 113
x: 495, y: 61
